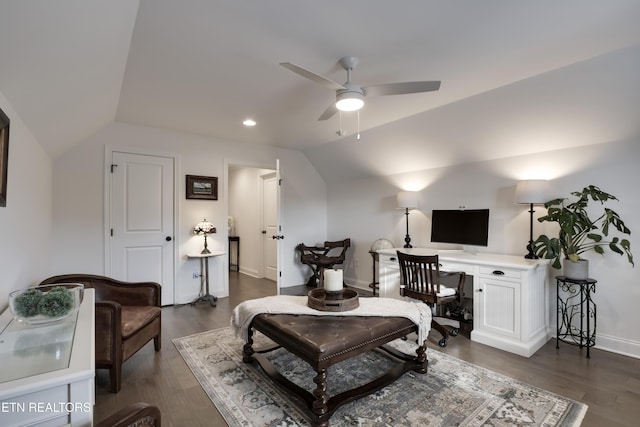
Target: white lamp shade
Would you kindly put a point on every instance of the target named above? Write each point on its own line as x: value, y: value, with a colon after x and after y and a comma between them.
x: 407, y: 199
x: 536, y: 191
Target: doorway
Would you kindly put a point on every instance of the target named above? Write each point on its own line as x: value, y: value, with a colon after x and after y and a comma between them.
x: 253, y: 210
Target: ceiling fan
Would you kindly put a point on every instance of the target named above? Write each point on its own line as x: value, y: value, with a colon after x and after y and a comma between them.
x: 349, y: 96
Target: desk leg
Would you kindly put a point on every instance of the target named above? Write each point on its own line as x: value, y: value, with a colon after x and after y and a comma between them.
x: 204, y: 284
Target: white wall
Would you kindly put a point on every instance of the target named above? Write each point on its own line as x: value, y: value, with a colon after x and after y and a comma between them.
x: 79, y: 180
x: 364, y: 210
x: 25, y: 223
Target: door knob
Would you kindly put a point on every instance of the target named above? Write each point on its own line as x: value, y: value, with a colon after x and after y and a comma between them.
x: 168, y: 238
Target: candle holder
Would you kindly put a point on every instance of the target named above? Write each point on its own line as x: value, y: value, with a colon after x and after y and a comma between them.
x: 320, y: 299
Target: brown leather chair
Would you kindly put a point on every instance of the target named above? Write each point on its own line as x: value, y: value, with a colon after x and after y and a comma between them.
x: 420, y: 279
x: 135, y: 415
x: 127, y: 316
x: 320, y: 258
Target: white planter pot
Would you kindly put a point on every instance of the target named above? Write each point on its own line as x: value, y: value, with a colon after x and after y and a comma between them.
x: 576, y: 270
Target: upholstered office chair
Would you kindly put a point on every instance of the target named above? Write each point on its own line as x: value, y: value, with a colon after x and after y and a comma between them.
x: 420, y: 279
x: 320, y: 258
x: 127, y: 316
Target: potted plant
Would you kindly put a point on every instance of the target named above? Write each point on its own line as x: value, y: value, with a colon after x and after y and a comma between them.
x: 579, y: 233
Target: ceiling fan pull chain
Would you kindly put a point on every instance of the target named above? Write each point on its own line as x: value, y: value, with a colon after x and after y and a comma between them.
x: 358, y: 134
x: 340, y: 131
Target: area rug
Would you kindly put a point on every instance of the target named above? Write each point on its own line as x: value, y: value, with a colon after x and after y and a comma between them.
x: 452, y: 393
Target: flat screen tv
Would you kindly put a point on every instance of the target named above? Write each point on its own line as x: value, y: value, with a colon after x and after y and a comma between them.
x: 464, y: 227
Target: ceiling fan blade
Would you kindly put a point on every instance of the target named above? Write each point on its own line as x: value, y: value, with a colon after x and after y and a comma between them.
x: 329, y: 112
x: 401, y: 88
x: 312, y: 76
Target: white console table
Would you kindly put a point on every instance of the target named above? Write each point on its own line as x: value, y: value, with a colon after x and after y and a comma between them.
x: 510, y: 295
x: 47, y: 371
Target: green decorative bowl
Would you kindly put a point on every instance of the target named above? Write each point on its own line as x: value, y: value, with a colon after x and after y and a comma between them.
x: 46, y: 304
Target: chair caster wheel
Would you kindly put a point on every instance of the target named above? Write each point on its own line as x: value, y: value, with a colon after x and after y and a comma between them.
x: 442, y: 342
x: 455, y: 332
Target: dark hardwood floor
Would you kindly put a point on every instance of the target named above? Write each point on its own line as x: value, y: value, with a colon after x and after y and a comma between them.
x: 608, y: 383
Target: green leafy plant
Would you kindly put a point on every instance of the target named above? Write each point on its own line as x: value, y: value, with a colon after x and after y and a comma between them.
x: 57, y: 302
x: 26, y: 304
x: 54, y: 303
x: 578, y: 232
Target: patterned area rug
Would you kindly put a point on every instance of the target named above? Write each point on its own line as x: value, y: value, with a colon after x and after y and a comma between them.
x: 453, y: 393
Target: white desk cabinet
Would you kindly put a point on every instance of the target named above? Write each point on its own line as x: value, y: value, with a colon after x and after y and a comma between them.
x: 510, y: 295
x: 47, y: 372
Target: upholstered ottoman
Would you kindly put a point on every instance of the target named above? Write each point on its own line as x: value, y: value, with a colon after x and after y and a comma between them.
x: 322, y: 341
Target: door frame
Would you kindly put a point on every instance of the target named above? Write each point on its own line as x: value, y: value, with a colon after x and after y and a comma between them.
x: 225, y: 188
x: 108, y: 155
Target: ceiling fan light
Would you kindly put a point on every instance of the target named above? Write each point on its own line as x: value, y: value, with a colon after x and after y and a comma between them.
x: 349, y: 101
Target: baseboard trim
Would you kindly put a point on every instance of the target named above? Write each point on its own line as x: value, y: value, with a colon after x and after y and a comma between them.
x: 618, y: 345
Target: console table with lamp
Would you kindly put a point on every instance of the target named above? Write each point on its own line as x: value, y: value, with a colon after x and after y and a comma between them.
x: 204, y: 228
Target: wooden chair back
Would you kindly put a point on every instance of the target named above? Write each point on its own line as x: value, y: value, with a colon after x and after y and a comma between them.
x: 419, y: 277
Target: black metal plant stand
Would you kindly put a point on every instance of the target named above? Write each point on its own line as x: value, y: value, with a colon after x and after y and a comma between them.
x: 576, y: 308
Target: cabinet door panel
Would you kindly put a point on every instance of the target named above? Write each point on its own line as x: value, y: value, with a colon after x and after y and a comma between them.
x: 499, y: 307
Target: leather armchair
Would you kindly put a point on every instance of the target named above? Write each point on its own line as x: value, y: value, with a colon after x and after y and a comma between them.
x: 135, y: 415
x: 127, y: 316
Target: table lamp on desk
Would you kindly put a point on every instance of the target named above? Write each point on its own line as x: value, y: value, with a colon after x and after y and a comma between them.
x: 532, y: 192
x: 407, y: 200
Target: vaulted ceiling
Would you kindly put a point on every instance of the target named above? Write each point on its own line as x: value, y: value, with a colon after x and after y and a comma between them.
x: 517, y: 77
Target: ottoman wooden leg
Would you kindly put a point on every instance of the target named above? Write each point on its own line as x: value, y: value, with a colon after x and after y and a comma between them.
x: 247, y: 349
x: 422, y: 359
x: 319, y: 406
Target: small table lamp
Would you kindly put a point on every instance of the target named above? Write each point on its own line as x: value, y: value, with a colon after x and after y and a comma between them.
x: 204, y: 228
x: 407, y: 200
x: 530, y: 192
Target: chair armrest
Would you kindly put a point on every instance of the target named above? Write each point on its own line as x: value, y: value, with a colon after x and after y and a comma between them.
x: 108, y: 328
x: 138, y: 414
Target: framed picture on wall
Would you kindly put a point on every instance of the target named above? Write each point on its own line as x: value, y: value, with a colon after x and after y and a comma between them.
x: 4, y: 156
x: 202, y: 187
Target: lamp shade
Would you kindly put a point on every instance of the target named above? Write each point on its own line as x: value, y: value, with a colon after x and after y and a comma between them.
x: 407, y: 199
x: 536, y: 191
x: 204, y: 227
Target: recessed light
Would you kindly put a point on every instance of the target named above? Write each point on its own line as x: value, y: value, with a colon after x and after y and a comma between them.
x: 249, y: 122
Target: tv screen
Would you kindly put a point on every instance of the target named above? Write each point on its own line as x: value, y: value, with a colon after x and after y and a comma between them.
x: 464, y: 227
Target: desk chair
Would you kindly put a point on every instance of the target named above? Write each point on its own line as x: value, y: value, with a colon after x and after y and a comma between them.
x: 319, y: 258
x: 420, y: 279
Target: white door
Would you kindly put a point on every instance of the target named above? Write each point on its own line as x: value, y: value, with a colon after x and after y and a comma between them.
x: 270, y: 225
x: 141, y: 218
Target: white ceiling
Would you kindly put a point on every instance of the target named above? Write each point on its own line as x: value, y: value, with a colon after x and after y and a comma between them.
x: 517, y: 77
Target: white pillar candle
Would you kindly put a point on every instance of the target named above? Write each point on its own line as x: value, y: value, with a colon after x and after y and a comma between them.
x: 333, y: 280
